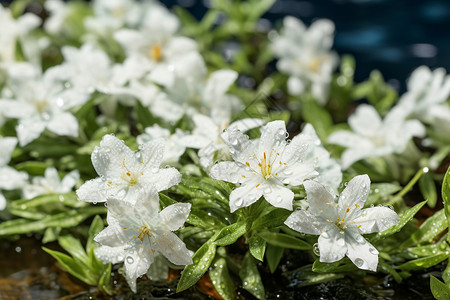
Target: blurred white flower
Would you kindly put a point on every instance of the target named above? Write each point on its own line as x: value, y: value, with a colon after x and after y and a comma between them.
x: 17, y: 30
x: 426, y: 98
x: 306, y: 56
x: 50, y: 183
x: 373, y: 137
x: 330, y: 174
x: 41, y: 103
x: 59, y: 11
x: 124, y: 173
x: 136, y: 233
x: 174, y: 148
x: 10, y: 178
x: 340, y: 224
x: 264, y: 166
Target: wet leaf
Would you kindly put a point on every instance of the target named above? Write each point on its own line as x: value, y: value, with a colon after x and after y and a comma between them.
x: 423, y: 263
x: 97, y: 225
x: 273, y: 255
x: 404, y: 218
x: 428, y: 189
x: 440, y: 290
x: 251, y: 280
x: 104, y: 282
x: 446, y: 197
x: 340, y: 266
x: 75, y: 249
x: 257, y: 247
x: 284, y: 240
x: 202, y: 259
x: 229, y: 234
x: 220, y: 278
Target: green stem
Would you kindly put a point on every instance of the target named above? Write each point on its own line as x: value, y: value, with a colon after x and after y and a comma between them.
x: 411, y: 183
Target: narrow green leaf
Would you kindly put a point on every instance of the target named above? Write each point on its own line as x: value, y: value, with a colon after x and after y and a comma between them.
x: 274, y: 218
x: 104, y: 281
x: 317, y: 116
x: 251, y: 280
x: 335, y: 267
x: 424, y: 262
x: 440, y: 290
x: 429, y: 230
x: 71, y: 266
x: 97, y: 225
x: 428, y: 189
x: 221, y: 279
x: 390, y: 270
x: 51, y: 234
x: 273, y: 255
x: 446, y: 197
x: 284, y: 240
x: 229, y: 234
x: 144, y: 116
x: 446, y: 273
x: 429, y: 250
x: 202, y: 259
x: 203, y: 219
x: 34, y: 168
x: 404, y: 218
x: 74, y: 247
x: 257, y: 247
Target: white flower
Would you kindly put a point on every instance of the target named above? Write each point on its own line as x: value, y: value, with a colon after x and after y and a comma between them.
x: 51, y: 183
x: 264, y: 166
x: 426, y: 98
x: 373, y: 137
x: 305, y: 55
x: 330, y: 174
x: 137, y: 232
x: 124, y: 173
x: 174, y: 148
x: 207, y: 133
x: 10, y: 178
x: 340, y: 224
x: 59, y: 11
x: 41, y: 103
x: 12, y: 31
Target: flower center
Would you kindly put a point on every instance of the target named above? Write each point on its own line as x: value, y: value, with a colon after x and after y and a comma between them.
x: 155, y: 52
x: 128, y: 176
x: 266, y: 167
x: 41, y: 105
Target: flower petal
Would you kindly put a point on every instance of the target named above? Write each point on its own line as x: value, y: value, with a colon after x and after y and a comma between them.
x: 161, y: 179
x: 365, y: 121
x: 279, y: 196
x: 174, y: 216
x: 303, y: 221
x: 321, y: 202
x: 332, y: 245
x: 28, y: 130
x: 361, y: 252
x: 11, y: 179
x: 272, y: 137
x: 7, y: 146
x: 109, y: 254
x: 137, y: 263
x: 245, y: 195
x: 2, y: 202
x: 230, y: 171
x: 152, y: 153
x: 63, y: 124
x: 376, y: 219
x: 172, y: 247
x: 69, y: 181
x: 92, y: 191
x: 353, y: 197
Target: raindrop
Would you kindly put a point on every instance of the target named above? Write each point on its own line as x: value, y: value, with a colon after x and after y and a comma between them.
x: 373, y: 251
x: 234, y: 142
x: 155, y: 170
x: 130, y: 260
x: 282, y: 132
x: 278, y: 199
x: 18, y: 249
x: 425, y: 170
x: 267, y: 190
x: 341, y: 242
x: 316, y: 249
x: 359, y: 262
x: 360, y: 239
x: 239, y: 202
x: 138, y: 155
x: 106, y: 204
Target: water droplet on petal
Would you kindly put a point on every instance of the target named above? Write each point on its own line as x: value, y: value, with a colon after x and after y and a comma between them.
x: 130, y: 260
x: 373, y: 251
x: 239, y: 202
x: 360, y: 239
x: 267, y: 190
x: 359, y: 262
x: 316, y: 249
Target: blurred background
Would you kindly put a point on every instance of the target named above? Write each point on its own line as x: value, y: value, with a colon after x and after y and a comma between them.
x: 393, y: 36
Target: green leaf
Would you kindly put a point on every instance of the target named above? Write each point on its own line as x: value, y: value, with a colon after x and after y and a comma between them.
x: 258, y: 8
x: 273, y: 255
x: 428, y: 189
x: 428, y: 250
x: 446, y: 273
x: 74, y: 247
x: 274, y: 218
x: 446, y: 197
x: 251, y: 280
x: 221, y: 279
x: 144, y: 116
x: 202, y: 259
x: 340, y: 266
x: 404, y: 218
x: 257, y: 247
x: 430, y: 229
x: 379, y: 192
x: 97, y: 225
x: 104, y: 281
x: 423, y: 263
x: 229, y: 234
x: 71, y: 266
x: 51, y: 234
x: 383, y: 266
x: 440, y: 290
x: 284, y: 240
x: 318, y: 117
x: 34, y: 168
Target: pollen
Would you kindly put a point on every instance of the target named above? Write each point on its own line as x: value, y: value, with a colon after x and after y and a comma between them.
x: 359, y: 226
x: 164, y: 234
x: 257, y: 185
x: 356, y: 205
x: 248, y: 165
x: 347, y: 210
x: 243, y: 176
x: 156, y: 52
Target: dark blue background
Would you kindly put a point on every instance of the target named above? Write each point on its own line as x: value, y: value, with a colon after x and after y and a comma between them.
x: 393, y: 36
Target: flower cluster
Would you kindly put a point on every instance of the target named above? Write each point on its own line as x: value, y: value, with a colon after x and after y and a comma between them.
x: 184, y: 125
